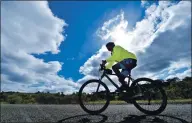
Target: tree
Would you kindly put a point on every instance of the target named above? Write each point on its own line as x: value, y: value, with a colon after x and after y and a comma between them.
x: 62, y: 94
x: 175, y: 79
x: 38, y: 92
x: 14, y: 99
x: 187, y: 79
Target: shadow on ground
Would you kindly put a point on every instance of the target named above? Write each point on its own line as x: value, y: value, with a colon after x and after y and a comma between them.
x: 87, y: 118
x: 152, y: 119
x: 129, y: 119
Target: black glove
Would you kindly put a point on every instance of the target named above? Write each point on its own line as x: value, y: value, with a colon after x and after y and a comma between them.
x: 108, y: 71
x: 104, y: 62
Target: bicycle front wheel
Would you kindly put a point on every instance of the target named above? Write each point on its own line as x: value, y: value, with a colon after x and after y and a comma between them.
x: 151, y: 99
x: 94, y: 96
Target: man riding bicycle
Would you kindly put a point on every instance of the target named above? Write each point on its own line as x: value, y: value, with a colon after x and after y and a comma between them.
x: 125, y: 61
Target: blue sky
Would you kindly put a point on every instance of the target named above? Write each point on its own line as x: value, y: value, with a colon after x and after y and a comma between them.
x: 57, y: 46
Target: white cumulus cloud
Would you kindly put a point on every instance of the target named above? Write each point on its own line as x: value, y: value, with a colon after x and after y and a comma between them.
x: 30, y: 27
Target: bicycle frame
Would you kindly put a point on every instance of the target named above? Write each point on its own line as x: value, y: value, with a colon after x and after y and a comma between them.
x: 105, y: 75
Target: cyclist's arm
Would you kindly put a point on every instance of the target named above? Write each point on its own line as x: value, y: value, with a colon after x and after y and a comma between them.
x: 109, y: 65
x: 111, y: 60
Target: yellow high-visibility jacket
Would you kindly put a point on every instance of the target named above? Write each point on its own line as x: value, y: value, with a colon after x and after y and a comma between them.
x: 119, y: 54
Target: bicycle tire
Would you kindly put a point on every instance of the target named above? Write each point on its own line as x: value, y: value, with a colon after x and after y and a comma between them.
x: 164, y: 98
x: 107, y: 97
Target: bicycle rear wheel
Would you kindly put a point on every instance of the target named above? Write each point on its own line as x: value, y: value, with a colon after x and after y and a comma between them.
x: 94, y: 96
x: 152, y: 98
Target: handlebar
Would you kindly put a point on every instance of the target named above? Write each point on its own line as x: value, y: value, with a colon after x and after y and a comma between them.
x: 102, y: 67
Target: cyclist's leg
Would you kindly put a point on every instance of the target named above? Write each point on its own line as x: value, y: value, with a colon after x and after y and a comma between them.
x: 116, y: 68
x: 125, y: 72
x: 128, y: 64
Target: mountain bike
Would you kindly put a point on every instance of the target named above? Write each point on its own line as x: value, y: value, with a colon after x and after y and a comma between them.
x: 145, y: 94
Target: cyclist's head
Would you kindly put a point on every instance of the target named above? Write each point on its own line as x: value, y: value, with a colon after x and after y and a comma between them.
x: 110, y: 46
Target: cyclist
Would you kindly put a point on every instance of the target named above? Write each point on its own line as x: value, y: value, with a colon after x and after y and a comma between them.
x: 125, y: 61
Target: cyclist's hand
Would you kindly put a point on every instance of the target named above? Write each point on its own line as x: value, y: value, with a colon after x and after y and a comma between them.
x: 102, y: 67
x: 104, y: 62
